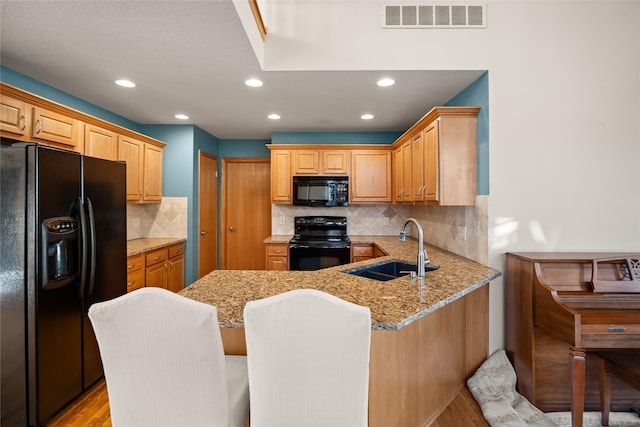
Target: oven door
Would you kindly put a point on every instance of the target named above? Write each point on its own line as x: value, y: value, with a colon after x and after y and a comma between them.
x: 307, y: 258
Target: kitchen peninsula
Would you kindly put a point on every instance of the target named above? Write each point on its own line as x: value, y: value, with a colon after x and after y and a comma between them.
x: 429, y: 335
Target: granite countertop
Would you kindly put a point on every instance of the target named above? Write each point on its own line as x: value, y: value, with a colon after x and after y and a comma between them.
x: 139, y: 246
x: 393, y: 304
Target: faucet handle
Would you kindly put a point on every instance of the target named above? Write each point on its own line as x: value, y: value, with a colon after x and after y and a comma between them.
x: 426, y: 257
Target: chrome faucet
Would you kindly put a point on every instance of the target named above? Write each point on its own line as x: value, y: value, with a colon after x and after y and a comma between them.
x: 423, y: 259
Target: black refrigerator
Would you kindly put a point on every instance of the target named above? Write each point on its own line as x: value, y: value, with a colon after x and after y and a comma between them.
x: 63, y: 248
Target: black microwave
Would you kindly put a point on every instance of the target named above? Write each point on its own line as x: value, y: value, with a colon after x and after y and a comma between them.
x: 320, y: 191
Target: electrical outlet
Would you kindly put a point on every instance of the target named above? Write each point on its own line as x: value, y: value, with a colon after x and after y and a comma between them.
x: 385, y: 220
x: 283, y: 220
x: 462, y: 232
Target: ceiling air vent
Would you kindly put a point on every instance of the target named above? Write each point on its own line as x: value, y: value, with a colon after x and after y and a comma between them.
x: 434, y: 16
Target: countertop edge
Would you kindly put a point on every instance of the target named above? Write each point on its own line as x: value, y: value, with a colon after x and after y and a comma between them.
x: 142, y: 245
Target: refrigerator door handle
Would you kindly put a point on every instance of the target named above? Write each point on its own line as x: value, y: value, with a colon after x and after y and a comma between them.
x: 84, y: 249
x: 92, y: 253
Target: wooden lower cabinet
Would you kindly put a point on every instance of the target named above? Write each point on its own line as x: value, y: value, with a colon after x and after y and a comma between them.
x: 361, y: 252
x: 162, y: 268
x: 277, y: 256
x: 176, y: 268
x: 365, y: 251
x: 418, y: 370
x: 135, y: 272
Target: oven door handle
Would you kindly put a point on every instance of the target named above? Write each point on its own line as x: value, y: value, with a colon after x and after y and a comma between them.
x: 303, y: 246
x: 299, y: 246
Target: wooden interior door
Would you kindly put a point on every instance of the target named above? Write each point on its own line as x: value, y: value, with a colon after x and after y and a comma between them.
x: 207, y: 214
x: 246, y: 213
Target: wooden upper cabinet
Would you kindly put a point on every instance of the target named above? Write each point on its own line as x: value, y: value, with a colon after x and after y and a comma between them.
x: 335, y: 162
x: 402, y: 172
x: 306, y: 162
x: 417, y: 167
x: 431, y: 183
x: 56, y: 130
x: 132, y: 152
x: 370, y: 179
x: 15, y: 118
x: 152, y: 173
x: 320, y: 162
x: 144, y: 169
x: 281, y: 184
x: 443, y: 158
x: 101, y: 143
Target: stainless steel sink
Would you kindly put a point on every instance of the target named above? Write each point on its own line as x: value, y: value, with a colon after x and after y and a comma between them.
x: 388, y: 270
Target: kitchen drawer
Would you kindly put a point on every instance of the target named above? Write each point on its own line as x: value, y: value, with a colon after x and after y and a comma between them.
x: 135, y: 263
x: 135, y: 280
x: 360, y: 251
x: 156, y: 257
x: 277, y: 250
x: 176, y: 250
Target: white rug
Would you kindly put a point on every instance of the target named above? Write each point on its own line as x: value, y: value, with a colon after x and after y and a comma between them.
x: 494, y: 387
x: 592, y: 419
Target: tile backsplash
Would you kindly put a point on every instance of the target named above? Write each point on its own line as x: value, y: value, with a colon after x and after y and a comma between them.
x: 458, y: 229
x: 378, y: 220
x: 165, y: 219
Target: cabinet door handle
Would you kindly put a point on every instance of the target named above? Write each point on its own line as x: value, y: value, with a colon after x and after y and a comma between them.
x: 204, y: 233
x: 231, y: 228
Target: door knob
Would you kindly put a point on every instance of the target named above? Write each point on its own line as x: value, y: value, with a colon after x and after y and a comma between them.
x: 231, y: 228
x: 204, y: 233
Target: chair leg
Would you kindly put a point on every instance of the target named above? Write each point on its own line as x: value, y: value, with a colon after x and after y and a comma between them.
x: 604, y: 380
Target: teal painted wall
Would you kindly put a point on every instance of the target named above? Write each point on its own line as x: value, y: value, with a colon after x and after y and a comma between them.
x: 477, y: 93
x: 178, y: 170
x: 35, y: 87
x: 256, y: 148
x: 334, y: 137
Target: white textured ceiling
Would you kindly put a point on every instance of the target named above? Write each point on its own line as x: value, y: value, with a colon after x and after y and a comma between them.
x: 192, y: 57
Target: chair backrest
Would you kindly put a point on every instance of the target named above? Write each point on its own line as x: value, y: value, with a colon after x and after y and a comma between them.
x: 308, y: 360
x: 163, y: 360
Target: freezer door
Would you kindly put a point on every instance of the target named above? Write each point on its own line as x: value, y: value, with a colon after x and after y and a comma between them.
x: 13, y: 273
x: 105, y: 202
x: 54, y: 316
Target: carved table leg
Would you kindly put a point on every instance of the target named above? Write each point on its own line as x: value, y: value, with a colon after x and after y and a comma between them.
x: 604, y: 380
x: 578, y: 364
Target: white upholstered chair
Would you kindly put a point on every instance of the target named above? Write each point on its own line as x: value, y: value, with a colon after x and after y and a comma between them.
x: 164, y: 363
x: 308, y: 360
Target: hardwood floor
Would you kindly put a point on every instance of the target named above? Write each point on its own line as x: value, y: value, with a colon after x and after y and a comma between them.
x: 92, y: 410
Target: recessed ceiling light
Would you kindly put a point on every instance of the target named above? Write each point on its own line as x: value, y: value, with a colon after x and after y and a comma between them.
x: 366, y: 116
x: 274, y: 116
x: 181, y: 116
x: 253, y: 82
x: 125, y: 83
x: 386, y: 82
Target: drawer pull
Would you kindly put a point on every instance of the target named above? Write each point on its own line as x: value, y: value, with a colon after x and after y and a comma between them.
x: 617, y: 329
